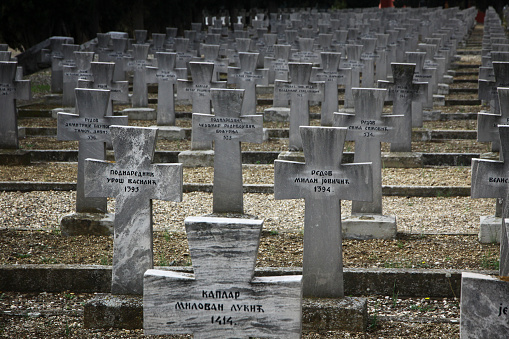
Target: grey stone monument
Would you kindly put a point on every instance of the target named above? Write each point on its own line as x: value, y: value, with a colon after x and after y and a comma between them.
x: 299, y: 91
x: 198, y: 92
x: 222, y: 299
x: 10, y: 90
x: 55, y: 54
x: 133, y: 180
x: 139, y: 66
x: 247, y: 77
x: 322, y: 182
x: 91, y: 127
x: 72, y: 75
x: 227, y: 128
x: 368, y: 127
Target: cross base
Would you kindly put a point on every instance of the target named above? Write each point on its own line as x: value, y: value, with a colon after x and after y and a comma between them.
x: 87, y: 224
x: 292, y: 156
x: 369, y: 226
x: 280, y: 114
x: 489, y: 231
x: 140, y: 113
x: 113, y: 311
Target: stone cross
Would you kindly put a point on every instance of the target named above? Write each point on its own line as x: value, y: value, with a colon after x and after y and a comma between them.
x: 165, y: 75
x: 119, y: 56
x: 56, y: 55
x: 183, y: 55
x: 91, y: 127
x: 488, y: 89
x: 247, y: 77
x: 139, y: 66
x: 222, y: 299
x: 10, y: 90
x: 133, y: 180
x: 227, y: 128
x: 211, y: 54
x: 487, y: 123
x: 490, y: 179
x: 332, y: 76
x: 102, y: 78
x: 368, y: 127
x: 424, y: 74
x: 305, y: 52
x: 278, y: 66
x: 403, y: 92
x: 353, y: 61
x: 322, y: 182
x: 72, y: 75
x: 198, y: 91
x: 299, y: 91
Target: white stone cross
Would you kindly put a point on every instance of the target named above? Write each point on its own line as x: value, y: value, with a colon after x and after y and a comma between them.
x: 222, y: 299
x: 487, y: 123
x: 198, y: 91
x: 133, y: 180
x: 91, y: 127
x: 322, y: 182
x: 490, y: 179
x: 10, y: 90
x: 228, y: 127
x: 247, y: 77
x: 139, y: 65
x: 72, y: 75
x: 299, y: 91
x: 368, y: 127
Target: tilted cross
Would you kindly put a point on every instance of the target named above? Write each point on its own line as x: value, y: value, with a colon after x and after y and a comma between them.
x: 490, y: 179
x: 91, y: 127
x: 222, y: 299
x: 299, y: 91
x: 247, y: 77
x: 368, y: 127
x: 133, y: 180
x: 228, y: 127
x: 322, y: 182
x: 10, y: 90
x: 198, y: 91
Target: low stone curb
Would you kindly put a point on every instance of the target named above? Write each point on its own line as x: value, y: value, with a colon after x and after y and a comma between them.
x: 433, y: 283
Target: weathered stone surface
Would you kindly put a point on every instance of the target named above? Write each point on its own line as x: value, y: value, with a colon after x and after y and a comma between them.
x: 345, y: 314
x: 113, y: 311
x: 87, y: 224
x: 484, y: 306
x: 373, y: 226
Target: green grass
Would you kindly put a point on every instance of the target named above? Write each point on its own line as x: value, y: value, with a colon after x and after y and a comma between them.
x: 40, y: 88
x: 489, y: 263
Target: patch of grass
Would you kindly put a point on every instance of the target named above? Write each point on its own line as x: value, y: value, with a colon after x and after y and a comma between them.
x: 104, y: 260
x: 274, y: 232
x: 40, y: 88
x: 374, y: 319
x: 46, y: 260
x: 2, y: 296
x: 163, y: 261
x: 400, y: 244
x: 69, y: 296
x: 394, y: 295
x: 22, y: 255
x: 167, y: 236
x: 489, y: 263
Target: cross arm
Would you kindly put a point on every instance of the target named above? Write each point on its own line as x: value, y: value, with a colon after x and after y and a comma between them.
x: 489, y: 179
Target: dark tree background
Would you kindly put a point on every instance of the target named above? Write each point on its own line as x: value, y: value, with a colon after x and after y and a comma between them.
x: 24, y: 23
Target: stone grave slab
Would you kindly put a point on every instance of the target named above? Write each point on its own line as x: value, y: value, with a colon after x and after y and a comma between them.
x: 322, y: 182
x: 227, y: 128
x: 222, y: 298
x: 133, y: 180
x: 91, y: 127
x: 484, y: 306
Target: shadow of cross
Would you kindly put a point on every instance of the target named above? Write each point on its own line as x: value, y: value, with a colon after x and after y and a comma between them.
x: 91, y: 127
x: 10, y: 90
x: 227, y: 128
x: 490, y: 179
x: 368, y: 127
x: 323, y: 182
x: 133, y: 181
x: 299, y: 91
x: 222, y: 299
x: 405, y: 95
x: 488, y: 91
x: 247, y: 77
x: 198, y: 91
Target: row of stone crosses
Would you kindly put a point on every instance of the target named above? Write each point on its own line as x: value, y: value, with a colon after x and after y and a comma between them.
x: 354, y: 50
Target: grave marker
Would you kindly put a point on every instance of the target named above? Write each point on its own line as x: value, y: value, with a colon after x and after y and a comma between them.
x: 222, y: 299
x: 56, y: 55
x: 91, y: 127
x: 198, y: 91
x: 139, y: 66
x: 299, y: 91
x: 227, y: 128
x: 322, y: 182
x: 368, y: 127
x: 487, y: 123
x: 72, y: 75
x: 247, y: 77
x: 133, y: 180
x: 10, y: 90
